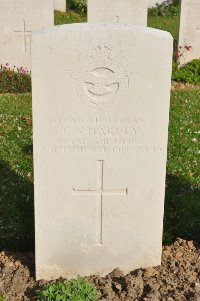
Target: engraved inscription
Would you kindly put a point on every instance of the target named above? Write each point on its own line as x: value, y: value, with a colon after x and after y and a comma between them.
x: 117, y: 19
x: 119, y: 134
x: 99, y: 192
x: 103, y: 81
x: 25, y: 34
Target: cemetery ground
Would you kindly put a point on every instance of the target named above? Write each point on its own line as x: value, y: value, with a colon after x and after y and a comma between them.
x: 179, y: 276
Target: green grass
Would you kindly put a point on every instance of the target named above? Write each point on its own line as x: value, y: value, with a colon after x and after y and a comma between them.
x: 182, y: 211
x: 69, y: 17
x: 16, y: 173
x: 170, y: 24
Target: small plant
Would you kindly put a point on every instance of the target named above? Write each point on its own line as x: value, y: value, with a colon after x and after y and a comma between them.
x: 169, y: 8
x: 190, y: 73
x: 73, y: 290
x: 2, y: 298
x: 14, y: 80
x: 78, y: 5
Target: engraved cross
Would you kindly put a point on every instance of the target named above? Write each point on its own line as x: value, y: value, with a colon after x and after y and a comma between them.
x: 100, y: 192
x: 24, y: 33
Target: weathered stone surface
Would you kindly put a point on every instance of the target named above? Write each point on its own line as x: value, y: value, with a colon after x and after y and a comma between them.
x: 17, y: 21
x: 100, y: 110
x: 189, y: 32
x: 118, y: 11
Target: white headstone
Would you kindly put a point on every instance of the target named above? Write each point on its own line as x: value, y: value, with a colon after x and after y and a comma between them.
x: 153, y: 3
x: 17, y: 21
x: 189, y: 31
x: 118, y: 11
x: 100, y: 110
x: 60, y: 5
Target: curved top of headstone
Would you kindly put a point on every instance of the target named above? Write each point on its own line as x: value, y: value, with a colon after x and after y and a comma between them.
x: 99, y: 26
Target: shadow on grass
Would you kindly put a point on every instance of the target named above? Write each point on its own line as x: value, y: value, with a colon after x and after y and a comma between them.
x: 182, y: 211
x: 16, y: 211
x: 28, y: 149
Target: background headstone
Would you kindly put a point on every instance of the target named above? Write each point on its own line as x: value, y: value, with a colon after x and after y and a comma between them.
x: 100, y: 115
x: 152, y: 3
x: 60, y: 5
x: 118, y: 11
x: 189, y: 30
x: 17, y: 21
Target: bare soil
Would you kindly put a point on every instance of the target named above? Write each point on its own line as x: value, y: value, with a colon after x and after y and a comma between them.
x: 178, y: 278
x: 183, y: 86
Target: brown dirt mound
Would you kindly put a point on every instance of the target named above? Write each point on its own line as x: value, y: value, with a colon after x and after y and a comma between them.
x: 178, y: 278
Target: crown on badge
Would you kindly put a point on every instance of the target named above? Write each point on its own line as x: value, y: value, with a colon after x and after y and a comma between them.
x: 103, y: 50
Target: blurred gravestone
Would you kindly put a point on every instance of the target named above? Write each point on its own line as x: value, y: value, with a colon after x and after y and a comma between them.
x: 17, y: 21
x: 100, y: 114
x: 60, y: 5
x: 153, y: 3
x: 189, y: 31
x: 118, y: 11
